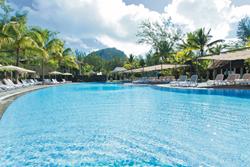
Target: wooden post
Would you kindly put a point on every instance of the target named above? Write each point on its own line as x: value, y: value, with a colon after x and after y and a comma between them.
x: 241, y: 72
x: 214, y: 74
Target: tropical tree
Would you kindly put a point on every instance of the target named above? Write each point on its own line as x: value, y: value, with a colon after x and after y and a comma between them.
x: 6, y: 11
x: 80, y: 56
x: 131, y: 59
x: 142, y: 62
x: 163, y: 36
x: 200, y: 40
x: 15, y: 36
x: 50, y: 46
x: 217, y: 49
x: 197, y: 44
x: 243, y: 31
x: 68, y: 61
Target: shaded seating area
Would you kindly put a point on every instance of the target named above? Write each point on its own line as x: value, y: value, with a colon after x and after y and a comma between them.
x: 245, y: 80
x: 16, y: 78
x: 53, y: 78
x: 155, y: 69
x: 9, y: 83
x: 232, y: 66
x: 219, y: 78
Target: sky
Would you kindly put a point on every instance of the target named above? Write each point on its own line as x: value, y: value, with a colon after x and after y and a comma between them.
x: 90, y: 25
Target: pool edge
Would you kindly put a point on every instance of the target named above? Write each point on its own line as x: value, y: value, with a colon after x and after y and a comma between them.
x: 7, y: 99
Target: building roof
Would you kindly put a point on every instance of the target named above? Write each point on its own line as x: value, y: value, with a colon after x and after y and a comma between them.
x: 119, y: 69
x: 155, y: 68
x: 229, y: 56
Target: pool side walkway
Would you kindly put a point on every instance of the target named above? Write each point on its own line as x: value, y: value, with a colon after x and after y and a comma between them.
x: 8, y: 97
x: 204, y: 86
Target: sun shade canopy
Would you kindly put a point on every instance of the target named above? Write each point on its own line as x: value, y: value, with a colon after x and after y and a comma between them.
x: 67, y: 74
x: 155, y: 68
x: 119, y: 69
x: 30, y: 71
x: 15, y: 68
x: 56, y: 73
x: 230, y: 56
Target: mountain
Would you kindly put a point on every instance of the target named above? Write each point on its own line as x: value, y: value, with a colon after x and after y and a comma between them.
x: 109, y: 53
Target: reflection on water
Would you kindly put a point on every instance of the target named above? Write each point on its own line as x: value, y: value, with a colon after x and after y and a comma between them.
x: 115, y: 125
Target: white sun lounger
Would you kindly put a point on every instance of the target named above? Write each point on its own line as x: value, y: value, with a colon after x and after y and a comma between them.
x: 6, y: 87
x: 219, y: 79
x: 231, y: 79
x: 245, y: 80
x: 182, y: 79
x: 190, y: 83
x: 8, y: 82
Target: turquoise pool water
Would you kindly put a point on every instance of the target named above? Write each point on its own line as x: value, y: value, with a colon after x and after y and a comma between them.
x: 115, y: 125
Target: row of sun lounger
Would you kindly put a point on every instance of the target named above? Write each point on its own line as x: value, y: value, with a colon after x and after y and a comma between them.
x: 183, y: 81
x: 8, y: 84
x: 232, y: 79
x: 154, y: 80
x: 53, y: 81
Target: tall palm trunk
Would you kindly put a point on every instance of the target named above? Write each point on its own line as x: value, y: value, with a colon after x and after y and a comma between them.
x: 42, y: 69
x: 17, y: 56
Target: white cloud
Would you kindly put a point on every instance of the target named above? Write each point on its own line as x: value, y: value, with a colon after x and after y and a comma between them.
x: 115, y: 24
x: 123, y: 45
x: 93, y: 19
x: 219, y: 15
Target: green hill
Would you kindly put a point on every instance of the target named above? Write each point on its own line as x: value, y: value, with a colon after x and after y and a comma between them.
x: 109, y: 53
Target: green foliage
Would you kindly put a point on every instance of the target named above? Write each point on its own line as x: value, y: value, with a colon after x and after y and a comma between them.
x: 217, y: 49
x: 96, y: 61
x: 162, y: 36
x: 199, y: 40
x: 32, y: 46
x: 109, y: 53
x: 243, y: 31
x: 142, y: 62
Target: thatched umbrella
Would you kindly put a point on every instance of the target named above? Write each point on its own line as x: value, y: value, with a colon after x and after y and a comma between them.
x: 119, y: 69
x: 67, y: 74
x: 15, y: 68
x: 55, y: 73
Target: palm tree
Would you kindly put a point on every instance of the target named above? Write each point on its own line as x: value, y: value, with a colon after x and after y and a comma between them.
x: 201, y: 40
x: 68, y: 60
x: 166, y: 50
x: 52, y: 47
x: 131, y: 59
x: 15, y: 37
x: 217, y: 49
x: 80, y: 58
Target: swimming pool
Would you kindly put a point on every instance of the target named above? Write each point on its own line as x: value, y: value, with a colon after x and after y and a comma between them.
x: 116, y: 125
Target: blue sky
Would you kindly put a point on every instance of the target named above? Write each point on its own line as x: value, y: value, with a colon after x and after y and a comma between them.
x: 93, y: 24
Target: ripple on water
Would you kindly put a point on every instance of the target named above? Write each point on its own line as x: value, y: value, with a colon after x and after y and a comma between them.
x: 112, y: 125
